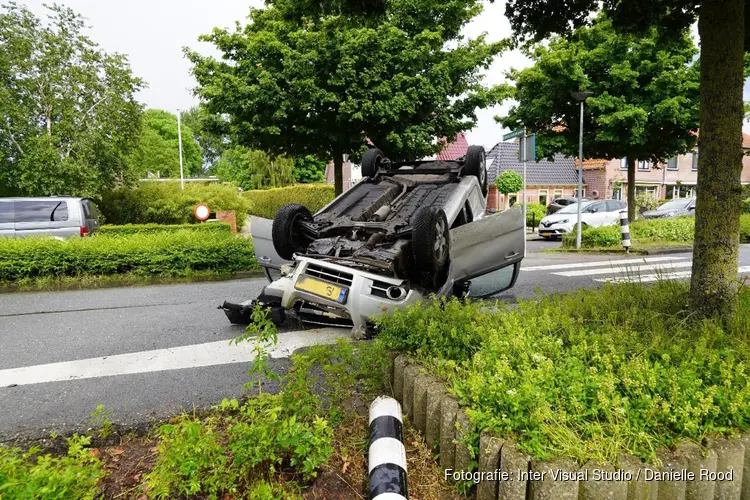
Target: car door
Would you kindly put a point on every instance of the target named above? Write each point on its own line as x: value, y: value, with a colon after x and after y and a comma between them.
x: 6, y: 219
x: 260, y: 229
x: 595, y: 214
x: 613, y: 212
x: 486, y: 254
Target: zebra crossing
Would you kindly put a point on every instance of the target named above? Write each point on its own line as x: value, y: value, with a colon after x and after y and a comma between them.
x: 629, y: 270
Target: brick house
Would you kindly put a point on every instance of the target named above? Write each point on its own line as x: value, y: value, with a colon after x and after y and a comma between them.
x: 676, y: 178
x: 545, y: 180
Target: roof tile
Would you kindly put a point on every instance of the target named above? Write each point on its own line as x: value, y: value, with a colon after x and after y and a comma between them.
x: 560, y: 172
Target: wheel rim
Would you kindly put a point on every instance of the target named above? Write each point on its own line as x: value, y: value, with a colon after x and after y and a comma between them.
x: 294, y: 236
x: 441, y: 243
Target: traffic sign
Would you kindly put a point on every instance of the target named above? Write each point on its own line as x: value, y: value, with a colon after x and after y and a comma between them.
x: 514, y: 134
x: 527, y: 151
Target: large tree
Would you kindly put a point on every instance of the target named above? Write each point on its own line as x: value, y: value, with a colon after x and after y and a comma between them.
x: 68, y: 115
x: 645, y: 96
x: 298, y: 79
x: 721, y: 26
x: 252, y: 169
x: 158, y: 149
x: 199, y: 120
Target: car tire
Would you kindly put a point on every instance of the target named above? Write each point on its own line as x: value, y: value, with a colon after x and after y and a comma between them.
x: 430, y: 239
x: 286, y: 233
x: 475, y: 164
x: 371, y: 162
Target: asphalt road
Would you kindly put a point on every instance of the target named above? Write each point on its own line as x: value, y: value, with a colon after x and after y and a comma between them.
x: 64, y: 353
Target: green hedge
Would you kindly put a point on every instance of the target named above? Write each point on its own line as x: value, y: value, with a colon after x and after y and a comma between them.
x: 590, y: 375
x: 266, y: 202
x: 676, y: 230
x: 131, y: 229
x: 535, y: 212
x: 166, y: 203
x: 166, y: 254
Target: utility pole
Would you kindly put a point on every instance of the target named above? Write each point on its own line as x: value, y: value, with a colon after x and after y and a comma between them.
x: 179, y: 143
x: 581, y: 98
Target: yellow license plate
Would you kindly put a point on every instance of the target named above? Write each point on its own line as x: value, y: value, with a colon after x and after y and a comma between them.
x: 322, y: 289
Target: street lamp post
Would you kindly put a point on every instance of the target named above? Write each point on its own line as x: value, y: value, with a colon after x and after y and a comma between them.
x: 179, y: 145
x: 581, y: 97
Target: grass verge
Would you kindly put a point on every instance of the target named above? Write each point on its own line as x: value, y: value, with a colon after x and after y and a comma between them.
x: 589, y: 375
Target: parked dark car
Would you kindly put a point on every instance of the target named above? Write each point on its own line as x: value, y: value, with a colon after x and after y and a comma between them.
x: 679, y: 207
x: 560, y: 203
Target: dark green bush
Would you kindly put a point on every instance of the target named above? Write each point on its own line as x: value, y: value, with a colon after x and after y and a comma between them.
x: 535, y: 212
x: 166, y: 203
x: 746, y: 206
x: 131, y: 229
x: 592, y: 374
x: 168, y: 254
x: 745, y: 229
x: 266, y: 202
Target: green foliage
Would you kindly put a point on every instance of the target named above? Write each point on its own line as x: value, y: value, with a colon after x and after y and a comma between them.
x: 26, y: 475
x: 535, y: 212
x: 646, y: 201
x: 295, y: 82
x: 265, y: 203
x: 170, y: 254
x: 746, y: 206
x: 677, y: 229
x: 199, y: 121
x: 158, y: 148
x: 166, y: 203
x: 309, y: 169
x: 745, y: 229
x: 509, y: 182
x: 100, y: 419
x: 69, y: 114
x: 131, y: 229
x: 251, y: 169
x: 591, y: 374
x: 264, y: 333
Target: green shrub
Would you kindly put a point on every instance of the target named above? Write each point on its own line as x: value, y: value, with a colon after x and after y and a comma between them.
x: 166, y: 203
x: 173, y: 254
x: 592, y: 374
x: 677, y: 229
x: 646, y: 201
x: 746, y: 206
x: 745, y: 229
x: 131, y: 229
x: 33, y: 475
x: 266, y: 202
x: 535, y: 212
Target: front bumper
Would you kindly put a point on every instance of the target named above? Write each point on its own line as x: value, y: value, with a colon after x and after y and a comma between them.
x: 365, y: 296
x: 555, y: 229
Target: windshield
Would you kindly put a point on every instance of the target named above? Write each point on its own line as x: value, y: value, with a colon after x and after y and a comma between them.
x: 680, y: 204
x: 573, y: 208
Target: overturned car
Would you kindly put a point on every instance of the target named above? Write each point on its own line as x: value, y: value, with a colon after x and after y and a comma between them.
x: 407, y: 231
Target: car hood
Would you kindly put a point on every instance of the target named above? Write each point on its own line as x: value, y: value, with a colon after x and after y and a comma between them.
x: 558, y: 217
x: 654, y: 214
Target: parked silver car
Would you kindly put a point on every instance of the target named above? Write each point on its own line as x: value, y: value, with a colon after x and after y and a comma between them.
x: 407, y: 231
x: 56, y: 216
x: 679, y: 207
x: 593, y: 214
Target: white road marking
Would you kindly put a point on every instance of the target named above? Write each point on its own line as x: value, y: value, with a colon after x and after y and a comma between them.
x: 648, y: 278
x: 597, y: 263
x: 626, y: 269
x: 175, y: 358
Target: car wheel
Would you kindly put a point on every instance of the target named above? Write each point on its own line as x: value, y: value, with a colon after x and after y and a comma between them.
x: 430, y: 239
x: 371, y: 162
x: 476, y: 165
x: 286, y: 233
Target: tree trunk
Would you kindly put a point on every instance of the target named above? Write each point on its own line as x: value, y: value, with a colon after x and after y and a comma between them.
x: 632, y: 208
x: 338, y: 172
x: 713, y: 289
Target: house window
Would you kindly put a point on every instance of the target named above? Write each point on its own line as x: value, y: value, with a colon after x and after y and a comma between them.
x: 617, y: 193
x: 672, y: 163
x: 512, y: 199
x: 643, y: 166
x: 624, y: 164
x: 652, y: 190
x: 543, y: 193
x: 695, y: 161
x: 558, y: 193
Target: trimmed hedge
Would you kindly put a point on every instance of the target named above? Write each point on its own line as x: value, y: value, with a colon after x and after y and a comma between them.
x: 676, y: 230
x: 166, y: 254
x: 266, y: 202
x: 591, y: 374
x: 166, y: 203
x: 131, y: 229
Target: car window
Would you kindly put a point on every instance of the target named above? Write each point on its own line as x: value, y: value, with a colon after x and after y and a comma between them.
x: 614, y: 206
x: 679, y: 204
x: 6, y: 212
x: 41, y: 211
x: 596, y: 207
x: 90, y: 209
x: 573, y: 208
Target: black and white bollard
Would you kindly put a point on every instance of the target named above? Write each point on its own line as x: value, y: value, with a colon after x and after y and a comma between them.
x: 387, y: 455
x: 625, y: 230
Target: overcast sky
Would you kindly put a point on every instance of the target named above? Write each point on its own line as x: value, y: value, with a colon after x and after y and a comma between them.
x: 153, y: 32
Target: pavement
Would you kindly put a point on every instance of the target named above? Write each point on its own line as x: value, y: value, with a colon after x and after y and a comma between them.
x: 150, y: 352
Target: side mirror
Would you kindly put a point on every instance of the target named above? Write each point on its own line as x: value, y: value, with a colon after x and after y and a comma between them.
x: 691, y: 208
x: 594, y: 210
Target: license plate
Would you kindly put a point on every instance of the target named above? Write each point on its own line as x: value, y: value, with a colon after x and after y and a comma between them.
x: 322, y: 289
